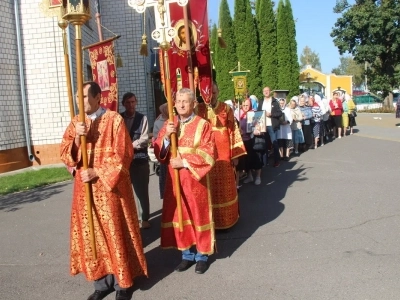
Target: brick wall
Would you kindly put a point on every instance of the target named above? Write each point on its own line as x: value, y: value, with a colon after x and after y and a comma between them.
x: 45, y: 80
x: 11, y: 119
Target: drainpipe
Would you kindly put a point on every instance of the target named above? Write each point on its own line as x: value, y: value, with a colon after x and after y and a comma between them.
x: 22, y: 82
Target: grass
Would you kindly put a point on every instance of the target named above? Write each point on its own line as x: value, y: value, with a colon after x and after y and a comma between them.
x: 32, y: 179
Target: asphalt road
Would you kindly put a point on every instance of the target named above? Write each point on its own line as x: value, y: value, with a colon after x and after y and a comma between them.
x: 324, y: 225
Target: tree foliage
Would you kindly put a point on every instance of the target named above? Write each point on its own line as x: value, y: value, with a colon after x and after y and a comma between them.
x: 309, y: 57
x: 267, y: 36
x: 213, y: 37
x: 247, y: 47
x: 294, y: 60
x: 225, y: 58
x: 348, y: 66
x: 370, y: 31
x: 288, y: 66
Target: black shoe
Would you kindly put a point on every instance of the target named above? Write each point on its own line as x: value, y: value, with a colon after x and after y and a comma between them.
x: 201, y: 267
x: 98, y: 295
x: 123, y: 295
x: 184, y: 265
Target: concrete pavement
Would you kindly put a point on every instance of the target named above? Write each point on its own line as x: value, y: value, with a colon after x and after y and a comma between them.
x: 324, y: 225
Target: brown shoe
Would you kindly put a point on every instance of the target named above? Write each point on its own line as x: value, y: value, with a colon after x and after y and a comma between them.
x: 145, y: 224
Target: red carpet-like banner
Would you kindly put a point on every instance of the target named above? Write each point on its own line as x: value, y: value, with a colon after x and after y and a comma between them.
x: 104, y: 72
x: 200, y: 50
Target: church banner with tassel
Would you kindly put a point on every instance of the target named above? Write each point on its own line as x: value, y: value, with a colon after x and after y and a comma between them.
x: 200, y: 50
x: 102, y: 60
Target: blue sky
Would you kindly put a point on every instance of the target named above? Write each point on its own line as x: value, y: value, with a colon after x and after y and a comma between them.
x: 314, y: 22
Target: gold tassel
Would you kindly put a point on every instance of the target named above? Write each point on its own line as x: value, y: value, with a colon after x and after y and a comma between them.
x: 143, y: 48
x: 119, y: 61
x: 221, y: 41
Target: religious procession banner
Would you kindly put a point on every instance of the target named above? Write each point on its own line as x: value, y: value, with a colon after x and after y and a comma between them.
x: 240, y: 85
x: 102, y: 60
x: 200, y: 49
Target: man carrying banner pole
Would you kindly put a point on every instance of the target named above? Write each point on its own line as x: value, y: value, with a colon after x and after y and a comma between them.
x: 229, y: 148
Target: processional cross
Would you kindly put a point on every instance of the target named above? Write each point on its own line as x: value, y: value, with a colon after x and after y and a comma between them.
x: 163, y: 32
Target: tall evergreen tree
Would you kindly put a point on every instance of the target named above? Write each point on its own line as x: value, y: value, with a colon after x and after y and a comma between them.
x: 283, y: 49
x: 225, y: 58
x: 213, y: 37
x: 294, y: 60
x: 213, y: 45
x: 247, y: 48
x: 267, y: 36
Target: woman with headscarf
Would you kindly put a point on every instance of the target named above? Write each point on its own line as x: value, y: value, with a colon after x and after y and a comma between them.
x: 336, y: 114
x: 297, y: 133
x: 316, y: 112
x: 345, y: 114
x: 352, y: 108
x: 251, y: 160
x: 306, y: 123
x: 284, y: 134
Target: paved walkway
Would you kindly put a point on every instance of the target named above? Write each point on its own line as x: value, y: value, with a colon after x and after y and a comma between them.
x: 324, y: 225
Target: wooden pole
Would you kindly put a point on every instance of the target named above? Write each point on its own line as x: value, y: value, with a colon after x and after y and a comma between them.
x: 188, y: 48
x: 88, y: 185
x: 98, y: 21
x: 63, y: 25
x: 174, y: 149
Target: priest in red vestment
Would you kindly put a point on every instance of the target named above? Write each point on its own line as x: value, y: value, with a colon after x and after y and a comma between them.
x: 230, y: 146
x: 196, y: 150
x: 120, y: 256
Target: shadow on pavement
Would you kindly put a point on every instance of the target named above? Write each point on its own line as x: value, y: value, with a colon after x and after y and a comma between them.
x: 13, y: 202
x: 259, y: 205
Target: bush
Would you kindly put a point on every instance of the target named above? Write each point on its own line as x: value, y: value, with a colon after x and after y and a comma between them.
x: 377, y: 110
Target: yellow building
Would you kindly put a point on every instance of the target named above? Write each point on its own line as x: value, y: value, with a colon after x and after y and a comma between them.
x: 314, y: 81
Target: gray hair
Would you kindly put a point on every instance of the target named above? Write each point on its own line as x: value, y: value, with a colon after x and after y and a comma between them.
x: 189, y: 92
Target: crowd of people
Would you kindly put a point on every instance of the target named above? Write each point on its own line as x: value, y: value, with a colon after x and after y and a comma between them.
x: 292, y: 126
x: 201, y: 149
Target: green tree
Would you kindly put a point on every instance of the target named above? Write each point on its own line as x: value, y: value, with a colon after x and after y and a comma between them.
x: 370, y: 31
x: 267, y: 35
x: 225, y: 58
x: 247, y: 46
x: 348, y: 66
x: 283, y: 48
x: 309, y: 57
x: 213, y: 37
x: 294, y: 60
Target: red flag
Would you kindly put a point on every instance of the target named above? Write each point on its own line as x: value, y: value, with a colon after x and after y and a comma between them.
x: 200, y: 51
x: 104, y: 73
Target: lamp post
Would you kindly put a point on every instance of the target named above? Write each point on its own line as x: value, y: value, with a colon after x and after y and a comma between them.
x: 77, y: 12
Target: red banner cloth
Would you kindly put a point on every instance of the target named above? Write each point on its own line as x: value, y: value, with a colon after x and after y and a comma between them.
x: 200, y: 49
x: 104, y: 72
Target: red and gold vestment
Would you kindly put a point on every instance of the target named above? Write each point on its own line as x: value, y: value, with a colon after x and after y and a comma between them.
x: 118, y: 240
x: 196, y: 146
x: 229, y: 145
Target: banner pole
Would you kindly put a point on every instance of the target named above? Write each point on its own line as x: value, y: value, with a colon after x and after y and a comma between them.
x: 188, y: 47
x: 63, y: 24
x: 88, y: 185
x: 174, y: 151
